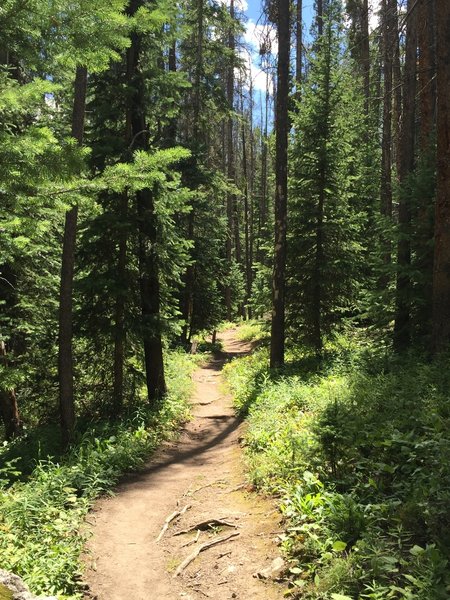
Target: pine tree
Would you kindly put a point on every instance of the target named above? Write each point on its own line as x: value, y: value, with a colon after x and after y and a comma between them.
x: 326, y: 213
x: 441, y: 279
x: 277, y: 339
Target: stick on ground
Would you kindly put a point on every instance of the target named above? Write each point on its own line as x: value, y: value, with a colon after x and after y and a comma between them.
x: 170, y: 518
x: 202, y: 487
x: 190, y: 542
x: 187, y: 561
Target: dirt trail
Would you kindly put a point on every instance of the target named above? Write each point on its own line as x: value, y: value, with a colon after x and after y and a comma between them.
x: 202, y: 469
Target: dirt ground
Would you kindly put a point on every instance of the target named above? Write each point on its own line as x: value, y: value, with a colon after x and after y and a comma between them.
x: 202, y: 471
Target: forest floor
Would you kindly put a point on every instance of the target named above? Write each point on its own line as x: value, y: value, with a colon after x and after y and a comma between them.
x: 200, y: 475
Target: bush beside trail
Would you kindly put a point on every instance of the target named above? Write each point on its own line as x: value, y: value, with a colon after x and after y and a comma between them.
x: 356, y: 446
x: 41, y: 514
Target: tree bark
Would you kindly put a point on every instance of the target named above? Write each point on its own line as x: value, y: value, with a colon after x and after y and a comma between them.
x: 147, y: 228
x: 281, y: 131
x: 251, y: 181
x: 247, y: 216
x: 65, y: 350
x: 262, y: 213
x: 319, y: 17
x: 441, y: 277
x: 322, y: 183
x: 402, y: 325
x: 187, y: 302
x: 386, y: 139
x: 425, y: 209
x: 8, y: 405
x: 119, y: 317
x: 397, y: 83
x: 298, y: 45
x: 230, y: 162
x: 365, y: 54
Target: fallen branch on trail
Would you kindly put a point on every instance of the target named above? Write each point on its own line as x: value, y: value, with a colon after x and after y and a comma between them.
x: 203, y: 487
x: 170, y: 518
x: 190, y: 542
x: 241, y: 486
x: 205, y: 525
x: 187, y: 561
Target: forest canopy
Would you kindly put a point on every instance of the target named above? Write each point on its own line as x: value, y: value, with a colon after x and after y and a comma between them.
x: 148, y: 193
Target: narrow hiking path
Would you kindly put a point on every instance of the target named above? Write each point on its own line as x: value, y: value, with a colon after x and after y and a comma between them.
x: 202, y: 471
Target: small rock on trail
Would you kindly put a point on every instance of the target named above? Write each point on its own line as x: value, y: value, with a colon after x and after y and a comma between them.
x: 202, y: 470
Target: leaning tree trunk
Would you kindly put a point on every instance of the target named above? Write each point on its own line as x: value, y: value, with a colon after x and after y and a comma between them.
x: 65, y: 350
x: 441, y: 278
x: 281, y: 160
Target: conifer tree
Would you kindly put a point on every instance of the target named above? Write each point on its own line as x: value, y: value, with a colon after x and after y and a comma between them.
x: 277, y: 340
x: 441, y: 279
x: 326, y: 213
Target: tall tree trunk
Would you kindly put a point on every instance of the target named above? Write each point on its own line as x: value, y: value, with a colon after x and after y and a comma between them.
x: 9, y: 410
x: 262, y: 221
x: 322, y: 184
x: 230, y: 160
x: 386, y: 140
x: 247, y: 217
x: 298, y: 45
x: 397, y: 83
x: 319, y: 17
x: 365, y: 54
x: 147, y: 227
x: 8, y: 404
x: 425, y: 209
x: 251, y: 182
x: 171, y: 129
x: 119, y: 316
x: 281, y: 131
x: 187, y: 308
x: 402, y: 333
x: 65, y: 351
x: 441, y: 278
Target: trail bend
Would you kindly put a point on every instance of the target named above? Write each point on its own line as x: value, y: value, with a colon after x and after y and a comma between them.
x: 203, y: 470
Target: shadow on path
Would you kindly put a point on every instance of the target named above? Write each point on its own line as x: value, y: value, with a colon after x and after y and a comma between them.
x: 219, y: 428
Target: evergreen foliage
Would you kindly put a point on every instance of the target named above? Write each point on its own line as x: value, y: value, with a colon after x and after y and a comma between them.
x: 327, y: 215
x: 357, y: 451
x: 137, y: 120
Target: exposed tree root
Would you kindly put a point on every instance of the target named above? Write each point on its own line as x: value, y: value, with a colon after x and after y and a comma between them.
x: 206, y: 525
x: 187, y: 561
x: 170, y: 518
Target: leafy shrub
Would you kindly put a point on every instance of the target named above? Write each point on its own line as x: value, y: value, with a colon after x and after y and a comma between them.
x: 41, y: 516
x: 357, y: 448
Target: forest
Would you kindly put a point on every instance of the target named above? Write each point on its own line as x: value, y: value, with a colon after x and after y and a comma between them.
x: 170, y: 170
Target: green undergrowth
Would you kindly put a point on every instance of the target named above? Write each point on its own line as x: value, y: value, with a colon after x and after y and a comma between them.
x: 253, y: 331
x: 41, y: 515
x: 357, y: 449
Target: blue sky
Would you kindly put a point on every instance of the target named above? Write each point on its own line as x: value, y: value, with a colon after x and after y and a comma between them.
x: 255, y: 8
x: 255, y: 31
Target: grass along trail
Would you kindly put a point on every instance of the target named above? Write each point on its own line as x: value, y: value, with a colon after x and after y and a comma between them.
x: 135, y: 551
